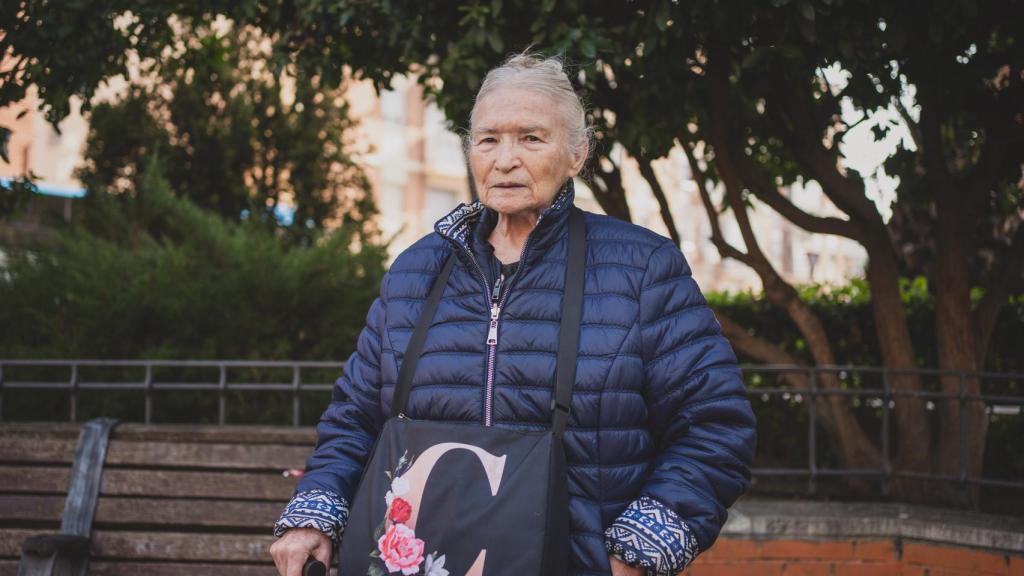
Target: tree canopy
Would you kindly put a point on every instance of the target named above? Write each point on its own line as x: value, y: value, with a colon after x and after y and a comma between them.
x: 233, y: 135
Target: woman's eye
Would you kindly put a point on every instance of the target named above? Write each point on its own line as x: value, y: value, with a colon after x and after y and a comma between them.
x: 532, y: 138
x: 487, y: 140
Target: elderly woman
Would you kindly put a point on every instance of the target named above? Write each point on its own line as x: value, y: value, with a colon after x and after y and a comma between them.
x: 660, y: 434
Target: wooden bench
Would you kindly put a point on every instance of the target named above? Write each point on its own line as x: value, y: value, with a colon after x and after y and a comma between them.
x: 174, y: 499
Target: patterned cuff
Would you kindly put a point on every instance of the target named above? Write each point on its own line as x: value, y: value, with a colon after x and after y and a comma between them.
x: 651, y: 535
x: 321, y: 509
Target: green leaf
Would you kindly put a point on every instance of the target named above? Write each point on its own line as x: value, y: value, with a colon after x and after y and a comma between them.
x: 495, y: 7
x: 547, y: 6
x: 495, y: 41
x: 375, y: 570
x: 588, y: 49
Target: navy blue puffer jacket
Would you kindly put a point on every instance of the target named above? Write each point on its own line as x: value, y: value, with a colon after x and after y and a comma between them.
x: 661, y: 434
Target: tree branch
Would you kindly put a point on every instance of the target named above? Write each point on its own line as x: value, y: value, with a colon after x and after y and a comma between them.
x: 666, y: 213
x: 765, y: 190
x: 724, y: 248
x: 912, y: 127
x: 805, y: 140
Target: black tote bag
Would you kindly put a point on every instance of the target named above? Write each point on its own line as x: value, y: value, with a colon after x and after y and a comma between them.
x: 466, y: 498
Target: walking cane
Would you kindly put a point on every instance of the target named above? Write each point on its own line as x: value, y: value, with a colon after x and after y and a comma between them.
x: 314, y: 567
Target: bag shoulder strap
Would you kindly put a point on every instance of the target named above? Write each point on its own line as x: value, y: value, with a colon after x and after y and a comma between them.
x: 569, y: 331
x: 568, y: 334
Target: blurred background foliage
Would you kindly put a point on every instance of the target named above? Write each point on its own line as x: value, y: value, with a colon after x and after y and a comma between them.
x: 233, y: 134
x: 154, y: 276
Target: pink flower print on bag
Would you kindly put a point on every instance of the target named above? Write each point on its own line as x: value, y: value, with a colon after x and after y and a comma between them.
x: 397, y: 545
x: 401, y: 550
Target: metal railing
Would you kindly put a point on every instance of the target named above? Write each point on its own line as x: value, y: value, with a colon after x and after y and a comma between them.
x: 883, y: 397
x: 148, y: 385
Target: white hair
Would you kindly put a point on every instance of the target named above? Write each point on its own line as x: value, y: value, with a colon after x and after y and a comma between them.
x: 531, y: 71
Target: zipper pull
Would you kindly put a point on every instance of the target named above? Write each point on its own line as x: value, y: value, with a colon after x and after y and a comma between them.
x: 496, y: 292
x: 492, y: 332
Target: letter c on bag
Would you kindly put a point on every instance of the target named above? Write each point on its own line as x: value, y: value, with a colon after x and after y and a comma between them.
x: 419, y: 472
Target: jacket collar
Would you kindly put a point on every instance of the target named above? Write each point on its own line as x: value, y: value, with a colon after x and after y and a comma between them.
x: 469, y: 225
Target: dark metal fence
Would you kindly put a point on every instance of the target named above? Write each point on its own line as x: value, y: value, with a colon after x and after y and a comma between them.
x: 148, y: 385
x: 885, y: 398
x: 882, y: 397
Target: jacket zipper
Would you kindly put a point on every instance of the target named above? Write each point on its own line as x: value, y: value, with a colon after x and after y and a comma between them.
x: 492, y: 332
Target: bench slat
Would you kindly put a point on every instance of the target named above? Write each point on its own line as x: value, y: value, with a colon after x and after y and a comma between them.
x: 32, y: 508
x: 31, y: 448
x: 177, y: 546
x: 167, y: 569
x: 181, y: 546
x: 236, y: 456
x: 305, y: 436
x: 240, y: 486
x: 10, y: 568
x: 18, y: 448
x: 121, y: 482
x: 33, y: 479
x: 144, y: 511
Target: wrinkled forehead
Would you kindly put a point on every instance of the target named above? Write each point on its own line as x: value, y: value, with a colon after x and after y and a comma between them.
x: 515, y: 110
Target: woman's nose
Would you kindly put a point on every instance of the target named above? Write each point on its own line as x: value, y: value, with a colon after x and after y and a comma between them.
x: 507, y: 156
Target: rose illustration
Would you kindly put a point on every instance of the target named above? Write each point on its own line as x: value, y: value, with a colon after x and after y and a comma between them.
x: 400, y: 510
x: 401, y: 550
x: 399, y: 486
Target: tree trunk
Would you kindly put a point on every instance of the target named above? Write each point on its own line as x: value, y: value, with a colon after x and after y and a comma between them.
x: 964, y: 424
x: 647, y: 171
x: 911, y: 428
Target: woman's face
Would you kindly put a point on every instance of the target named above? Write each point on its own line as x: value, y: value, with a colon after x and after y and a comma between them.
x: 518, y: 152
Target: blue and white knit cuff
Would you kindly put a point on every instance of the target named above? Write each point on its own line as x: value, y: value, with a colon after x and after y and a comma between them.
x: 316, y: 508
x: 650, y: 534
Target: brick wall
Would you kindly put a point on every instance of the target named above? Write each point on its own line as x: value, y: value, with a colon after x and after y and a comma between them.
x: 733, y: 556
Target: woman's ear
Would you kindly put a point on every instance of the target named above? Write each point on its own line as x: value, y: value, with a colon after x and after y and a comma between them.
x: 576, y: 162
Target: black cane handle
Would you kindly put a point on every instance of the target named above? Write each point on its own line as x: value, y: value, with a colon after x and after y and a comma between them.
x: 314, y: 567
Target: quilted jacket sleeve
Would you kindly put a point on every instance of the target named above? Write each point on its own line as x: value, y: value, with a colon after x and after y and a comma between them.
x: 700, y: 419
x: 345, y: 436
